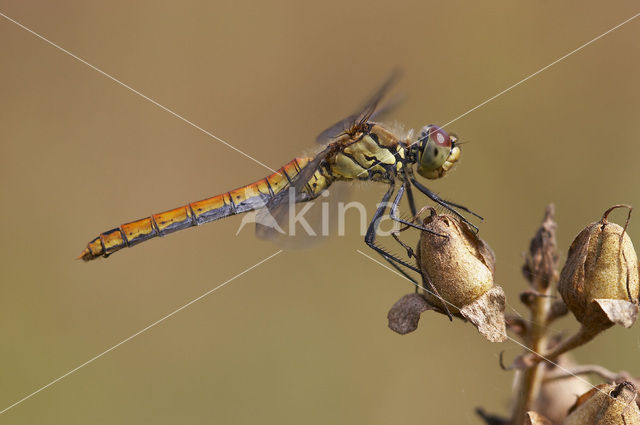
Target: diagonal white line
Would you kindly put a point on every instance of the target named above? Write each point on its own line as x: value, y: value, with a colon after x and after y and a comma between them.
x: 508, y: 337
x: 477, y: 107
x: 138, y: 333
x: 255, y: 160
x: 544, y: 68
x: 114, y: 79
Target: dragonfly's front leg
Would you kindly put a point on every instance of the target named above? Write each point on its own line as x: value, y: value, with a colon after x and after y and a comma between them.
x: 394, y: 213
x: 448, y: 205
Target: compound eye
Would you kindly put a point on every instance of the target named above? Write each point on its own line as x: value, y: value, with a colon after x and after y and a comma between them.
x: 439, y: 137
x: 436, y: 149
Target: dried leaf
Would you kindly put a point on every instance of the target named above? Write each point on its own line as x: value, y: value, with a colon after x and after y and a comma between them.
x: 405, y: 313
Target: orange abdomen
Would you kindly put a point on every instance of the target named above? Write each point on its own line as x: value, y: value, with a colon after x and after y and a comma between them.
x: 243, y: 199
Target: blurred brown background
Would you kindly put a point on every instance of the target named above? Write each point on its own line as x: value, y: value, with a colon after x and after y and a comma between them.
x: 302, y: 338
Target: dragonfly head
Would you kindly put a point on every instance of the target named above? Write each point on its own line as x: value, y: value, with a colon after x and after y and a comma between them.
x: 437, y: 152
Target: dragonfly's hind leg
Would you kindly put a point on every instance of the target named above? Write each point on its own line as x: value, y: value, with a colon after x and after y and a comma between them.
x: 395, y: 234
x: 410, y: 253
x: 370, y: 238
x: 401, y: 271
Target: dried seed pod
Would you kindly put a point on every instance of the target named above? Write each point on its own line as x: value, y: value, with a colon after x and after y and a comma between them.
x: 599, y: 282
x: 606, y: 404
x: 457, y: 269
x: 452, y: 258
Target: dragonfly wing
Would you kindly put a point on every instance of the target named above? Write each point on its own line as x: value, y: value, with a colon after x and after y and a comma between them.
x: 273, y: 221
x: 313, y: 221
x: 369, y: 111
x: 337, y: 129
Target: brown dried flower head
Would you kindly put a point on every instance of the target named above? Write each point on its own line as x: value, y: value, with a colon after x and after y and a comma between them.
x: 599, y: 281
x: 606, y: 404
x: 457, y: 269
x: 455, y: 261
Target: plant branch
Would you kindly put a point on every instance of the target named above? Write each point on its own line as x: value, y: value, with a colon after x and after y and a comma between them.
x: 597, y: 370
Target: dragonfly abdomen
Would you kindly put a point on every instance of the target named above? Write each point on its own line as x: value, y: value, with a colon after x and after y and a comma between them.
x: 247, y: 198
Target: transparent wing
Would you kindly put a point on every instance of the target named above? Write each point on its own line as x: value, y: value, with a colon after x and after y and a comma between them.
x: 369, y: 111
x: 285, y: 219
x: 311, y: 223
x: 336, y: 129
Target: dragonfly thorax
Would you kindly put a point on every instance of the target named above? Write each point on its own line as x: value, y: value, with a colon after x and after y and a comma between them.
x: 436, y: 152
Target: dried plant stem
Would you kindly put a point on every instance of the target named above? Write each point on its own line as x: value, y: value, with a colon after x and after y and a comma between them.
x: 540, y: 271
x: 531, y: 378
x: 581, y: 337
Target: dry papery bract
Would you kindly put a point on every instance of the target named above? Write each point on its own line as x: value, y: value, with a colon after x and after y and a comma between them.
x: 457, y: 271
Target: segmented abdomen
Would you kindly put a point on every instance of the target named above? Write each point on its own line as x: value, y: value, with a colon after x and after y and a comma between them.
x: 243, y: 199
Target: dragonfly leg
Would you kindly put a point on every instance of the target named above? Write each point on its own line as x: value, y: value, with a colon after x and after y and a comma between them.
x: 394, y: 214
x: 448, y: 205
x: 396, y: 234
x: 410, y: 252
x: 432, y: 289
x: 463, y: 208
x: 370, y: 237
x: 412, y: 203
x: 402, y: 272
x: 393, y: 211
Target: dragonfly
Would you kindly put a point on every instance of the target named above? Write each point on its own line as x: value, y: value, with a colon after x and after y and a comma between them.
x: 356, y: 148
